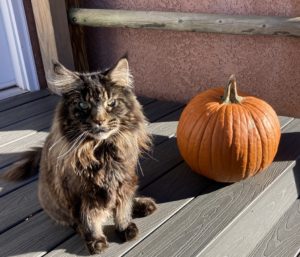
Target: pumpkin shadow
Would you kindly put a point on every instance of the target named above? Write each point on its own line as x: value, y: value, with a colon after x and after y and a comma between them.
x: 289, y: 151
x: 296, y: 171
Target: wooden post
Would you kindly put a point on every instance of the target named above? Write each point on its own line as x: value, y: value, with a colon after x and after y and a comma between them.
x: 77, y: 41
x: 195, y: 22
x: 53, y: 33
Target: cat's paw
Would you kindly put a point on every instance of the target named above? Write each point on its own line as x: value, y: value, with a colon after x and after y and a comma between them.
x: 129, y: 233
x: 96, y: 246
x: 143, y: 206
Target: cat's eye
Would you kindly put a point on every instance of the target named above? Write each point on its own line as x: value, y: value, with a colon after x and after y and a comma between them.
x: 83, y: 105
x: 112, y: 103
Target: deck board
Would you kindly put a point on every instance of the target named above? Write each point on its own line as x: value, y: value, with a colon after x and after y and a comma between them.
x: 27, y: 110
x: 34, y: 237
x: 18, y: 205
x: 22, y: 99
x: 208, y: 215
x: 254, y: 222
x: 194, y: 212
x: 25, y: 128
x: 284, y: 238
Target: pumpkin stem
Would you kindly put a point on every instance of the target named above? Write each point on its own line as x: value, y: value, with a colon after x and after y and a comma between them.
x: 230, y: 92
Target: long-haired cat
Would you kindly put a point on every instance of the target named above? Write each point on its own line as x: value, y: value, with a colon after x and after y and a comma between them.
x: 89, y: 159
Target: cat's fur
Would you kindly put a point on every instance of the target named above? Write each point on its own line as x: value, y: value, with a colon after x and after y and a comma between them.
x: 89, y: 160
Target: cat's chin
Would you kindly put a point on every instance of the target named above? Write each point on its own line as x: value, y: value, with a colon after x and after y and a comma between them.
x: 102, y: 135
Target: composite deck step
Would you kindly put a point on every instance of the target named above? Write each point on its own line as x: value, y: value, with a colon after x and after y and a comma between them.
x: 284, y: 238
x: 229, y: 220
x: 195, y: 216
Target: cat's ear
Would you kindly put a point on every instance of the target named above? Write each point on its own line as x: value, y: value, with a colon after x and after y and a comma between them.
x: 120, y: 74
x: 62, y: 80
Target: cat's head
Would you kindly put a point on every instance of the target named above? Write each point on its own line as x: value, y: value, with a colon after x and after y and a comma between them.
x: 97, y: 105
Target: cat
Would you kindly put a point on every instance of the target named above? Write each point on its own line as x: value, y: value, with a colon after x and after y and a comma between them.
x: 89, y: 159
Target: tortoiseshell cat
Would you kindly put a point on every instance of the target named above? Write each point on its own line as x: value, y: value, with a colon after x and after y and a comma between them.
x: 89, y: 160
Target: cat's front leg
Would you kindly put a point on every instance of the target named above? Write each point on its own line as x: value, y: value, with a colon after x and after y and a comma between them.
x: 92, y: 220
x: 127, y: 230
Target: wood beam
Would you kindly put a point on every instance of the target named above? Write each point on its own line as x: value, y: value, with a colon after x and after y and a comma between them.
x: 53, y: 34
x: 194, y: 22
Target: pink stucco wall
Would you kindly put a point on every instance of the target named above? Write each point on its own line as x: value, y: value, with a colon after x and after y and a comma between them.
x: 177, y: 65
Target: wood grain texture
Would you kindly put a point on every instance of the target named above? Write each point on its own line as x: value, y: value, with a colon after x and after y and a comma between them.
x: 166, y: 126
x: 284, y: 121
x: 254, y: 222
x: 77, y: 38
x: 7, y: 187
x: 208, y: 215
x: 53, y: 34
x: 195, y: 22
x: 284, y: 238
x: 33, y: 237
x: 22, y: 99
x: 13, y: 152
x: 25, y: 128
x: 18, y: 205
x: 28, y: 110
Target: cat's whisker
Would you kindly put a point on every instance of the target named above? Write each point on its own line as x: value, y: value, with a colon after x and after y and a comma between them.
x: 73, y: 145
x: 62, y: 149
x: 55, y: 143
x: 140, y: 168
x: 81, y: 141
x: 71, y: 132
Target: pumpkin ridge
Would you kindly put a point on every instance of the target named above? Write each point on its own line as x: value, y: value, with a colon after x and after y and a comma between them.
x: 195, y: 129
x: 186, y: 116
x: 220, y: 130
x: 212, y: 139
x: 264, y: 146
x: 260, y: 156
x: 201, y: 141
x: 235, y: 137
x: 231, y: 135
x: 238, y: 150
x: 271, y: 123
x: 249, y: 151
x: 267, y: 129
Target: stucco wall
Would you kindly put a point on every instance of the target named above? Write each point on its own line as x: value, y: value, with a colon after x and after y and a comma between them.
x: 177, y: 65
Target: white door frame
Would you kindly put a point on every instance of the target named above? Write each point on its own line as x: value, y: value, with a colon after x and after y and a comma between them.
x: 19, y: 42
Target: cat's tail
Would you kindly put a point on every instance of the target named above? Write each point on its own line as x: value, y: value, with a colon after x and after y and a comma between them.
x: 25, y: 168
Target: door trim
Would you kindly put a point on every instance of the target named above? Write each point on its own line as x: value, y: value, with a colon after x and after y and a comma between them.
x: 19, y: 42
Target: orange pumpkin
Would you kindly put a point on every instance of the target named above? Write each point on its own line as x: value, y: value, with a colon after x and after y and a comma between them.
x: 228, y: 137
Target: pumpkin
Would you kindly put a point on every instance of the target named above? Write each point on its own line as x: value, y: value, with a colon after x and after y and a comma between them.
x: 228, y: 137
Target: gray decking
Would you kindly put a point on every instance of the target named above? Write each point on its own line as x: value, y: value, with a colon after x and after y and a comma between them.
x: 196, y: 217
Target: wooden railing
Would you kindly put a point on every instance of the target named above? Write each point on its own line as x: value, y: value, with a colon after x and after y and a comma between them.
x: 195, y: 22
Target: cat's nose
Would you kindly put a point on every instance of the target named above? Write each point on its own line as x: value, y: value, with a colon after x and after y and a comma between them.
x: 97, y: 128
